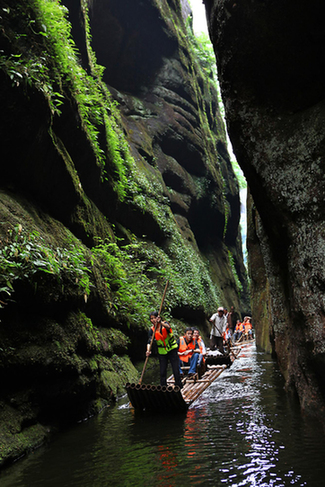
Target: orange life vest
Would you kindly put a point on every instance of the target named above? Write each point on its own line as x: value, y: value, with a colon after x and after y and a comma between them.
x: 240, y: 327
x: 226, y: 334
x: 185, y: 346
x: 248, y: 326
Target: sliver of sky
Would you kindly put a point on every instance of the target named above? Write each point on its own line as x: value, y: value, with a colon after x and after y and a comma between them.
x: 199, y: 26
x: 199, y: 17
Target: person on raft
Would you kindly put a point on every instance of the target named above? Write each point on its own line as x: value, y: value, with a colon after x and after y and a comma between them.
x: 188, y: 351
x: 227, y: 335
x: 248, y: 328
x: 239, y: 330
x: 167, y: 348
x: 219, y: 324
x: 200, y: 342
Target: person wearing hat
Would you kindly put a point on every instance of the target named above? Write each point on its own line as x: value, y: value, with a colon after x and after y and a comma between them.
x: 219, y: 324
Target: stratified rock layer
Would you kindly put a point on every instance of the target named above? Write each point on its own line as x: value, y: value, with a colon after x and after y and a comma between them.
x: 270, y: 58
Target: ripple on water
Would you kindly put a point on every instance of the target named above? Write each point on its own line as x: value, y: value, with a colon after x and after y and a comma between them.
x: 243, y: 431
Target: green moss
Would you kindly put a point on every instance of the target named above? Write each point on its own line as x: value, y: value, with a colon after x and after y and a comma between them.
x: 114, y: 374
x: 26, y: 256
x: 15, y: 440
x: 124, y: 279
x: 109, y: 383
x: 234, y: 272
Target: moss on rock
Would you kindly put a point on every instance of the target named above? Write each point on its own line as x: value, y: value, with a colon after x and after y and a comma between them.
x: 90, y: 230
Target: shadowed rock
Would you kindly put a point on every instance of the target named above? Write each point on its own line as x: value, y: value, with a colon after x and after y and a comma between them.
x: 271, y: 66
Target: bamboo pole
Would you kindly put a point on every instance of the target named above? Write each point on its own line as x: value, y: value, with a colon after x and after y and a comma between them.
x: 153, y: 334
x: 239, y: 339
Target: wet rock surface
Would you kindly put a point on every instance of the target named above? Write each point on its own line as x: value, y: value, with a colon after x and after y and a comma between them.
x: 271, y: 68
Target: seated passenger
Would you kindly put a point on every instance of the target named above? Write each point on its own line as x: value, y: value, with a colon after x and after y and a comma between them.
x: 227, y: 334
x: 238, y: 331
x: 248, y: 328
x: 187, y: 356
x: 200, y: 342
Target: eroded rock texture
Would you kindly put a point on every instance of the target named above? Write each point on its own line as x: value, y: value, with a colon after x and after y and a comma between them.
x: 173, y: 123
x: 107, y: 189
x: 270, y: 57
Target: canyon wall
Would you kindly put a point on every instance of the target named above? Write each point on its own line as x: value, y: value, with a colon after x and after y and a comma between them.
x: 115, y: 177
x: 270, y: 58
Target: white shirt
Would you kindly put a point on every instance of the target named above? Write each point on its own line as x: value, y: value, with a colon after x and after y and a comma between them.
x: 219, y: 325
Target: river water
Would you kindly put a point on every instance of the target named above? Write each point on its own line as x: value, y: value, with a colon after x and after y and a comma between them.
x: 243, y: 431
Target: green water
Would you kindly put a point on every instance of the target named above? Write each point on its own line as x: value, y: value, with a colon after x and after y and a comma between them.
x: 243, y: 430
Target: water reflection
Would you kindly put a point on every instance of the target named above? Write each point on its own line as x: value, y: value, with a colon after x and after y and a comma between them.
x: 243, y: 431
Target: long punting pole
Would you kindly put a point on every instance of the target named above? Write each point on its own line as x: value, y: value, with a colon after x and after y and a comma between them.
x: 153, y: 334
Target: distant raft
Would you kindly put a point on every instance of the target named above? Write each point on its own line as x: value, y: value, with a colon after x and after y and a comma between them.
x: 171, y: 398
x: 217, y: 358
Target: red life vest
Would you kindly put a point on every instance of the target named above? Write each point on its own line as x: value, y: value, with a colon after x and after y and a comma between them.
x: 185, y: 346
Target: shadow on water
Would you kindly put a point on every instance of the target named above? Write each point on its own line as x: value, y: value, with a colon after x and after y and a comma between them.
x: 243, y: 431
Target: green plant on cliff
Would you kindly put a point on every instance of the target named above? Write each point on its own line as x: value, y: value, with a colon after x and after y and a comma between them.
x: 205, y: 54
x: 135, y: 275
x: 51, y: 65
x: 24, y: 256
x: 193, y: 286
x: 132, y: 291
x: 239, y: 174
x: 56, y: 30
x: 239, y: 285
x: 203, y: 51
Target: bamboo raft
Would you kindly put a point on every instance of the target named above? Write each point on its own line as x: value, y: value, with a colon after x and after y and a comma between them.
x: 171, y: 397
x: 159, y: 398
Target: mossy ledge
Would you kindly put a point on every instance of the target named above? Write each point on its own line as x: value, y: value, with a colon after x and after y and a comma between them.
x: 113, y: 181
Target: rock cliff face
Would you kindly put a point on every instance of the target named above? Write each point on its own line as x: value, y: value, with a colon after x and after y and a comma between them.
x: 112, y: 181
x: 270, y: 58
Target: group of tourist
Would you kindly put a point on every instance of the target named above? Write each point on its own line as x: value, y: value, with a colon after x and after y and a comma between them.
x: 243, y: 329
x: 227, y: 328
x: 189, y: 350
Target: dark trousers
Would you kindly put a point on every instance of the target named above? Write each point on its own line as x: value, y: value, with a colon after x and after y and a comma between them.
x: 172, y: 356
x: 216, y: 342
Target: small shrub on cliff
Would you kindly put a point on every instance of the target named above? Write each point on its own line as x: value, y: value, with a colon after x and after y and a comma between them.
x: 25, y: 255
x: 42, y: 55
x: 132, y: 291
x: 234, y: 272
